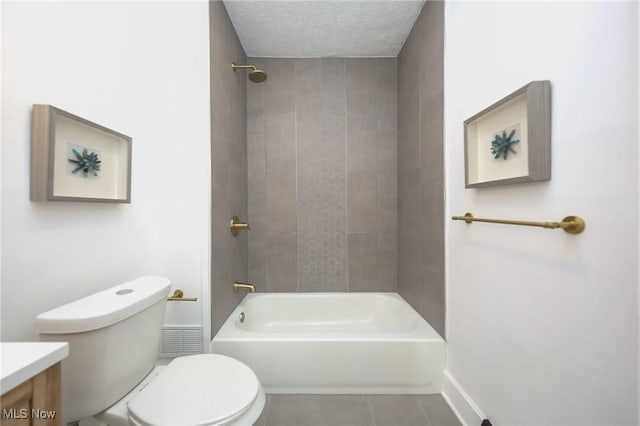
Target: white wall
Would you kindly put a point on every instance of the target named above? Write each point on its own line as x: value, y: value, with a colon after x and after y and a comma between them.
x: 141, y: 68
x: 543, y: 325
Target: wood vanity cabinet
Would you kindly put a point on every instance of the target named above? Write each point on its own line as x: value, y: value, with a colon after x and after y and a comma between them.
x: 36, y: 401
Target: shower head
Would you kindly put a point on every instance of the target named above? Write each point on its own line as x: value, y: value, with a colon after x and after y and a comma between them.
x: 256, y: 75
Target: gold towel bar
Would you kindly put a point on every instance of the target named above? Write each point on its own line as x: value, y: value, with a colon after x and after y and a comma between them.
x: 570, y: 224
x: 178, y: 296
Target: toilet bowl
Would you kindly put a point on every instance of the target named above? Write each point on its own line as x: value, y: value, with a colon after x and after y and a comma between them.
x: 114, y: 336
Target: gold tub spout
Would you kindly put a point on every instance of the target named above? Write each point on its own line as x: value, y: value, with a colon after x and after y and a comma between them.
x: 243, y: 286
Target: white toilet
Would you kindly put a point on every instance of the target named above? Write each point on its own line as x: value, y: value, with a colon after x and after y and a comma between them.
x: 114, y: 337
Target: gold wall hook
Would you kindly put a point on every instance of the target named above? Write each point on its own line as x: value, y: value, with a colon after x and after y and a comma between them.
x: 236, y: 226
x: 178, y: 296
x: 570, y: 224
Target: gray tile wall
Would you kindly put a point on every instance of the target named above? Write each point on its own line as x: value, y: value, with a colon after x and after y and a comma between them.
x: 322, y: 176
x: 229, y: 164
x: 372, y: 173
x: 420, y: 165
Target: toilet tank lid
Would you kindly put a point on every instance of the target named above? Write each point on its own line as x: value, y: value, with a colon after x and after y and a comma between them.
x: 104, y: 308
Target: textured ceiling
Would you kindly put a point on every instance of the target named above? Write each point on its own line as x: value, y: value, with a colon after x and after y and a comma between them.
x: 317, y: 28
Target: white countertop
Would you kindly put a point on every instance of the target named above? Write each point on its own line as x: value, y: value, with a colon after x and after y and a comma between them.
x: 21, y: 361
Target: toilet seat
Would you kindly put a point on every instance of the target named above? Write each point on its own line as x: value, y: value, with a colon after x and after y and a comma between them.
x: 196, y: 390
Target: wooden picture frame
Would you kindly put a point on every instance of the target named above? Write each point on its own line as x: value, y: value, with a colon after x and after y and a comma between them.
x: 74, y: 159
x: 510, y: 141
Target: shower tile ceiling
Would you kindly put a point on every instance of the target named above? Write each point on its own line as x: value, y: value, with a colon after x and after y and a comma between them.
x: 318, y: 28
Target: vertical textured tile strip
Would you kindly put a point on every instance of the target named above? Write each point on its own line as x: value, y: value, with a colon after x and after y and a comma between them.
x: 321, y: 174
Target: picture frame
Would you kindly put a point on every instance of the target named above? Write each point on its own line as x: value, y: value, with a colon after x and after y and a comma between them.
x: 510, y: 141
x: 74, y: 159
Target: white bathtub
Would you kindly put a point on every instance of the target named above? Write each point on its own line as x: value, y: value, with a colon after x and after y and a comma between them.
x: 334, y: 343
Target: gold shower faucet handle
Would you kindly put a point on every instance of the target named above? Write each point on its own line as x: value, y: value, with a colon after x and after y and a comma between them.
x: 236, y: 226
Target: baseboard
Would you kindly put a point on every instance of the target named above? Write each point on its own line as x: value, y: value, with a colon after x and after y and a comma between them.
x: 462, y: 405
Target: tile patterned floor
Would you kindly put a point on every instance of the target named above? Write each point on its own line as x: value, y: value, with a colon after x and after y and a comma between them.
x: 357, y: 410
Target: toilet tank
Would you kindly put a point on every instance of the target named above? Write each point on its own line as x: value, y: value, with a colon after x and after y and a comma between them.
x: 114, y: 338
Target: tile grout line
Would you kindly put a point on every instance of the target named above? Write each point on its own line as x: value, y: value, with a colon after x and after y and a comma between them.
x: 373, y: 416
x: 267, y: 409
x: 263, y: 107
x: 295, y: 64
x: 346, y: 173
x: 424, y: 413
